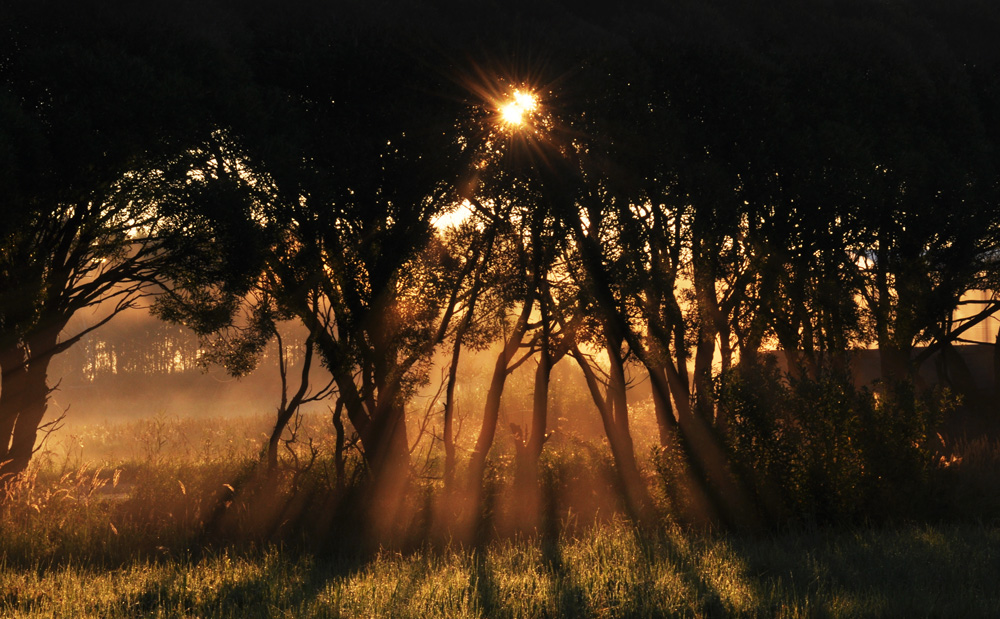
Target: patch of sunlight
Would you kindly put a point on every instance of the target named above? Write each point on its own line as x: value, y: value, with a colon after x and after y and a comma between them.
x: 725, y: 574
x: 453, y: 217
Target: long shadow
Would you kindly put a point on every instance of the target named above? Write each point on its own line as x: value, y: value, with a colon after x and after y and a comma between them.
x: 570, y: 596
x: 657, y: 544
x: 303, y: 576
x: 330, y: 539
x: 483, y: 583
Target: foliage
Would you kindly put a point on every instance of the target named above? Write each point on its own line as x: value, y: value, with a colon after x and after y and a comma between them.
x: 967, y: 480
x: 822, y: 449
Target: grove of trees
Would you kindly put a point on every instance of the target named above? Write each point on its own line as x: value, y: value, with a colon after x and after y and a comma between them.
x: 699, y: 184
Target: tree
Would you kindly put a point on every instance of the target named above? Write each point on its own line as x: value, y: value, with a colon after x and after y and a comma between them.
x: 353, y: 172
x: 98, y: 123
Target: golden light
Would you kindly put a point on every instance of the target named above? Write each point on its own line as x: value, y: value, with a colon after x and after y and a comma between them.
x: 516, y: 111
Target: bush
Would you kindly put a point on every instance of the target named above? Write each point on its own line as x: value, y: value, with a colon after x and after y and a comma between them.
x: 967, y: 482
x: 822, y: 449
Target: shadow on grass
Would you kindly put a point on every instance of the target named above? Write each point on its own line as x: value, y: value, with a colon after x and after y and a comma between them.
x: 253, y: 584
x: 663, y: 545
x: 615, y: 571
x: 570, y: 598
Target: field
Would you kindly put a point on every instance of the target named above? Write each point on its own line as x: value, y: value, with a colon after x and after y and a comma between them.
x: 116, y: 521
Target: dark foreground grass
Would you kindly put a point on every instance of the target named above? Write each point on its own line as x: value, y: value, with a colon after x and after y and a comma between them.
x: 606, y: 571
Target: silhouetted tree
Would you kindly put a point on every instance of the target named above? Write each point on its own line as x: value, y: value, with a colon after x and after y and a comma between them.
x: 99, y: 119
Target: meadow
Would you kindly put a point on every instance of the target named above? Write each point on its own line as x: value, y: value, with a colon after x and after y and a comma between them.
x: 123, y: 520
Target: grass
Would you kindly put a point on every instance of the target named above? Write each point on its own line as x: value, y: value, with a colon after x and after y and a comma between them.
x: 125, y: 534
x: 610, y: 571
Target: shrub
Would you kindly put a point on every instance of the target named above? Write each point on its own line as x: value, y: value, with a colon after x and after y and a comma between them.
x: 822, y: 449
x: 967, y: 482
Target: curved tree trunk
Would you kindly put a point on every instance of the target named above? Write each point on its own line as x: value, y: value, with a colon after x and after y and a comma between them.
x: 339, y: 459
x: 526, y: 508
x: 548, y: 357
x: 491, y: 411
x: 288, y: 407
x: 24, y: 395
x: 666, y: 422
x: 636, y: 493
x: 13, y: 397
x: 448, y: 437
x: 540, y: 408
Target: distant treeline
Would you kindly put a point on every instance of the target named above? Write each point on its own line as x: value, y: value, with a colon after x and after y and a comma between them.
x: 141, y: 346
x: 147, y: 348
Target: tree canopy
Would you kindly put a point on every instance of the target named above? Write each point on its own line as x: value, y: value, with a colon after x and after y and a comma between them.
x: 699, y: 183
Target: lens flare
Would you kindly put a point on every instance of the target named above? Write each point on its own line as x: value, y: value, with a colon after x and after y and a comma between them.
x: 516, y: 112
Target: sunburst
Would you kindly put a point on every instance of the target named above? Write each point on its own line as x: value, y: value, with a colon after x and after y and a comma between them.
x: 517, y: 111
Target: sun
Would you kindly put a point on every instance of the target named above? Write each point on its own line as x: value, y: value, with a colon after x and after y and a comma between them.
x: 515, y: 112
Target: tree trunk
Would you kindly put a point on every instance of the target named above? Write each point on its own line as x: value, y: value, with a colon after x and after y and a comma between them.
x: 491, y: 411
x: 288, y: 407
x: 24, y: 395
x: 449, y: 417
x: 526, y: 507
x: 272, y: 441
x: 707, y: 306
x: 386, y: 447
x: 387, y: 453
x: 636, y: 493
x: 894, y: 362
x: 666, y: 423
x: 540, y: 407
x: 491, y: 414
x: 339, y: 459
x: 704, y: 355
